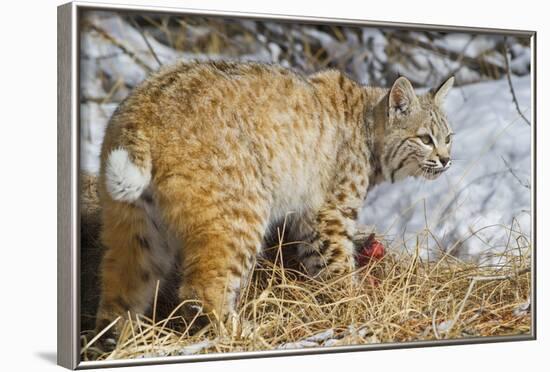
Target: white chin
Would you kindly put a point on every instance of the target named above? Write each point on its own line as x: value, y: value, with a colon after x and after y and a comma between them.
x: 432, y: 175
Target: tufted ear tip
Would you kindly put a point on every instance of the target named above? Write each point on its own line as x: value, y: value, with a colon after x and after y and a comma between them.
x: 441, y: 92
x: 402, y: 96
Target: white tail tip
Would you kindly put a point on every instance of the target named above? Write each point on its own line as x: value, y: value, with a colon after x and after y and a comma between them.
x: 124, y: 180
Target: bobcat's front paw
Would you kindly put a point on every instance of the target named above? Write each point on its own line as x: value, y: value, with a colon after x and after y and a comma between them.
x: 321, y: 263
x: 311, y: 259
x: 192, y: 318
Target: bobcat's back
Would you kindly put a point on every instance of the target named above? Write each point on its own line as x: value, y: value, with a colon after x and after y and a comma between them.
x: 226, y: 126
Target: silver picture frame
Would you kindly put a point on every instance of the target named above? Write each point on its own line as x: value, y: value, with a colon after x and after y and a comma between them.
x: 68, y: 230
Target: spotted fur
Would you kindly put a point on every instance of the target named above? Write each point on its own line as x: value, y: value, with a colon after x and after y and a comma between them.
x: 203, y: 160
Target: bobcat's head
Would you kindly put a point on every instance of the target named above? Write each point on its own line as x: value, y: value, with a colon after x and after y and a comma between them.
x: 418, y: 137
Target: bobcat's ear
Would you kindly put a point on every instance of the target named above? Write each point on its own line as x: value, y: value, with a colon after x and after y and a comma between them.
x: 402, y: 98
x: 441, y: 92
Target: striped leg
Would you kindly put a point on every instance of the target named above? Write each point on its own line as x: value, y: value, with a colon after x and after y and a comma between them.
x: 131, y: 265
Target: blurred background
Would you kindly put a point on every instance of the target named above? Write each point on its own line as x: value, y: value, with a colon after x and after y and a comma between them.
x: 478, y: 209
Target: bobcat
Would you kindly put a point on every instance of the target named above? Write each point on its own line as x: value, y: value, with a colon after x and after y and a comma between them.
x: 203, y: 160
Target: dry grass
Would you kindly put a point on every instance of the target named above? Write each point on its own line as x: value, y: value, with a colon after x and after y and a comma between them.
x: 399, y: 298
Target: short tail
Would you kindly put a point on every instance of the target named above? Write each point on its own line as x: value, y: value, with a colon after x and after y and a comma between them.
x: 125, y: 179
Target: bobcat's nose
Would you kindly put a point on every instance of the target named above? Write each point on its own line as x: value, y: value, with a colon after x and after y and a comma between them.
x: 444, y: 160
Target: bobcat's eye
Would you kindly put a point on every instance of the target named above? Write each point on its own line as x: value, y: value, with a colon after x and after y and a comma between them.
x: 448, y: 138
x: 426, y: 139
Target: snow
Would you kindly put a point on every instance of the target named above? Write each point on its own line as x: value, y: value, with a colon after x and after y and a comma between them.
x: 330, y: 338
x: 319, y: 339
x: 323, y: 336
x: 470, y: 45
x: 93, y: 121
x: 195, y: 348
x: 523, y: 309
x: 298, y: 345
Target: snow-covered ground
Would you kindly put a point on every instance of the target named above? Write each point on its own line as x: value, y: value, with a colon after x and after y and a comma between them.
x: 469, y: 210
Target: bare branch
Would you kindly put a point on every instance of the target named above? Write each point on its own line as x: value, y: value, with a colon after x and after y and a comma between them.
x: 144, y: 37
x: 521, y: 182
x: 479, y: 64
x: 119, y: 45
x: 100, y: 100
x: 509, y: 77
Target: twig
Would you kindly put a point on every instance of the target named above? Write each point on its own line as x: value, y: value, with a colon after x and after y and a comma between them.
x: 155, y: 310
x: 476, y: 279
x: 434, y: 326
x: 500, y: 277
x: 120, y: 46
x: 522, y: 183
x: 460, y: 64
x: 144, y: 37
x: 132, y: 329
x: 509, y: 78
x: 98, y: 336
x: 477, y: 64
x: 100, y: 100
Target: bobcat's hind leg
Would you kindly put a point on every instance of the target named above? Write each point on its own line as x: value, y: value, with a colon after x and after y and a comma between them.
x: 220, y: 242
x: 131, y: 266
x: 214, y: 268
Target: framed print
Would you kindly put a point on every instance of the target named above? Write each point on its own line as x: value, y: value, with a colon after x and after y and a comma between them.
x: 235, y: 185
